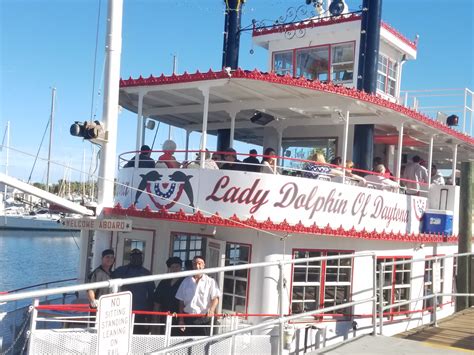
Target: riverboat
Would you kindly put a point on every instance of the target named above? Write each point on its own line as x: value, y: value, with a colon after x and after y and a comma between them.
x: 359, y: 235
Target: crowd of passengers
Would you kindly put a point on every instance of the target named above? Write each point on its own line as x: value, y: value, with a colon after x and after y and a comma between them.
x: 317, y: 167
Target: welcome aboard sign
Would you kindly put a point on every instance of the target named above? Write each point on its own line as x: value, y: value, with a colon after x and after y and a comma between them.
x: 274, y: 197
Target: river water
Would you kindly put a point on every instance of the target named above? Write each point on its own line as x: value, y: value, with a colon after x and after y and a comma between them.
x: 33, y: 257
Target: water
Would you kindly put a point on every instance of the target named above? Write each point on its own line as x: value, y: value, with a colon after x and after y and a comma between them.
x: 33, y: 257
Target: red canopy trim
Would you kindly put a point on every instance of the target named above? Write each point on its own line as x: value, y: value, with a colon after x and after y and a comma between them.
x: 297, y: 82
x: 285, y: 227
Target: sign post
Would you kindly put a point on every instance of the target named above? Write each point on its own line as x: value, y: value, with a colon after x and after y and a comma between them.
x: 114, y: 324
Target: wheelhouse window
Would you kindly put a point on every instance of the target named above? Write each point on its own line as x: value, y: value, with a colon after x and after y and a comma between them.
x: 333, y: 62
x: 429, y: 281
x: 187, y: 246
x: 283, y: 63
x: 387, y: 76
x: 313, y: 63
x: 319, y: 284
x: 396, y: 283
x: 236, y: 282
x: 304, y: 148
x: 342, y: 62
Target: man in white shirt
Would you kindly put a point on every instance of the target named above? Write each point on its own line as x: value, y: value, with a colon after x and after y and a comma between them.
x: 417, y: 174
x: 197, y: 294
x: 380, y: 182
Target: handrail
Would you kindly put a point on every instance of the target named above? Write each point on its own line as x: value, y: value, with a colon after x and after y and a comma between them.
x: 114, y: 284
x: 341, y: 168
x: 38, y: 285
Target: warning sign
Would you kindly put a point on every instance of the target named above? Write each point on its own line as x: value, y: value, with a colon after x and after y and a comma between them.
x: 114, y: 322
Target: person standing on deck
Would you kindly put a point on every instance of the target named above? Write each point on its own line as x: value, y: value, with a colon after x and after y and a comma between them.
x: 142, y: 293
x: 198, y: 294
x: 417, y: 173
x: 164, y: 297
x: 101, y: 273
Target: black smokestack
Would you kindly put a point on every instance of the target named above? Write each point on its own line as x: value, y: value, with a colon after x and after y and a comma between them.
x: 367, y: 78
x: 230, y: 53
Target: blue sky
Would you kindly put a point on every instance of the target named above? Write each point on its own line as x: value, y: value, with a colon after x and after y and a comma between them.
x: 45, y: 43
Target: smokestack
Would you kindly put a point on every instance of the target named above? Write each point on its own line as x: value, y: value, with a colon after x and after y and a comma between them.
x: 367, y: 77
x: 230, y: 53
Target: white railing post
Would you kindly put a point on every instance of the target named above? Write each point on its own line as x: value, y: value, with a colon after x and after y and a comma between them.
x: 435, y: 309
x: 232, y: 340
x: 211, y: 333
x: 374, y: 295
x: 381, y: 276
x: 280, y: 291
x: 169, y: 322
x: 34, y: 316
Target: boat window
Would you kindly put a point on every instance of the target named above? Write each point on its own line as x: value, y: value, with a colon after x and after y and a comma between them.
x: 342, y: 62
x: 428, y: 284
x: 397, y: 280
x: 303, y: 148
x: 236, y: 282
x: 187, y: 246
x: 129, y: 245
x: 387, y: 76
x: 283, y: 63
x: 320, y: 284
x: 313, y: 63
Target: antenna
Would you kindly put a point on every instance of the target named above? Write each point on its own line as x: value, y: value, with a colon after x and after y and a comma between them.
x: 175, y: 63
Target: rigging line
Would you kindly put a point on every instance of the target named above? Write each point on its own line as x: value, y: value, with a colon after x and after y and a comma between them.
x: 166, y: 199
x: 95, y: 59
x: 154, y: 138
x: 37, y: 153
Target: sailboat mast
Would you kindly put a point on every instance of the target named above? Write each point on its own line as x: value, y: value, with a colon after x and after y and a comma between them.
x: 51, y: 120
x: 7, y: 152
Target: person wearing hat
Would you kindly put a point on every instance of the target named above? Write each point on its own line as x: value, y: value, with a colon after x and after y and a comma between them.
x: 169, y: 147
x: 101, y: 273
x: 165, y: 292
x: 142, y: 293
x: 144, y: 159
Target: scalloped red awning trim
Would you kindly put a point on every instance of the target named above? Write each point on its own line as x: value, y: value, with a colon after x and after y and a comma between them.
x: 299, y: 82
x: 326, y: 22
x: 235, y: 222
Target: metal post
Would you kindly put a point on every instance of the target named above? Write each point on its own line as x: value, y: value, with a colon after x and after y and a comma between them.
x: 280, y: 291
x: 232, y: 327
x: 139, y: 137
x: 169, y: 322
x: 464, y: 117
x: 435, y: 309
x: 211, y: 333
x: 455, y: 161
x: 51, y: 123
x: 111, y: 100
x: 399, y: 152
x: 186, y: 154
x: 202, y: 148
x: 34, y: 316
x: 381, y: 276
x: 344, y: 152
x: 374, y: 295
x: 232, y: 128
x: 430, y: 161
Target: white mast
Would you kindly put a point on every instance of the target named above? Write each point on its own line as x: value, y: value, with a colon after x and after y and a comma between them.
x: 51, y: 120
x: 7, y: 152
x: 108, y: 164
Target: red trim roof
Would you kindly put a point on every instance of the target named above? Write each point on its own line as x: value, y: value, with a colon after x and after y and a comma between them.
x: 235, y: 222
x: 326, y: 21
x: 297, y: 82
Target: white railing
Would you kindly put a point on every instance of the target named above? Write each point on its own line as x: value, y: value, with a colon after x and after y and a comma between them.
x: 434, y: 296
x: 281, y: 320
x: 454, y: 101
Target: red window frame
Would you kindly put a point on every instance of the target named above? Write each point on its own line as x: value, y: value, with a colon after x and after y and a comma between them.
x: 322, y: 277
x: 329, y: 45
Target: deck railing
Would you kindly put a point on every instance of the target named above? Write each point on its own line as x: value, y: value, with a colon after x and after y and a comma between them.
x: 281, y: 318
x: 338, y: 173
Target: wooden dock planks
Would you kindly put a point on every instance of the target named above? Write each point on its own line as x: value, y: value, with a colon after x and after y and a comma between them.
x: 454, y: 331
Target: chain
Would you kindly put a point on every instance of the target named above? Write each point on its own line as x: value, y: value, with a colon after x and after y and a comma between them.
x: 20, y: 333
